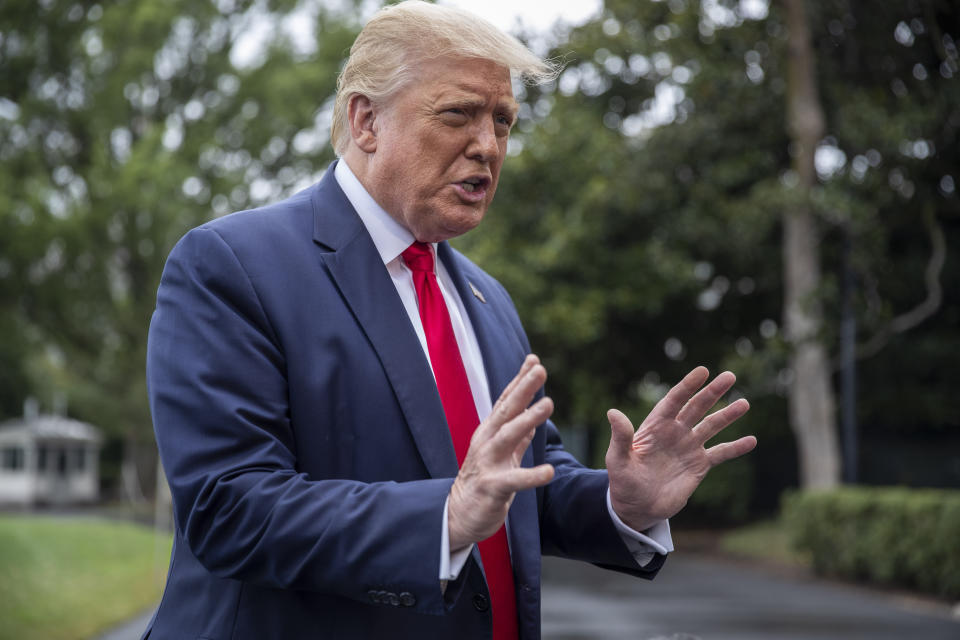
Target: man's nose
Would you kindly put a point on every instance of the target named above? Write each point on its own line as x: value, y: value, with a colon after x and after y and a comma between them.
x: 484, y: 145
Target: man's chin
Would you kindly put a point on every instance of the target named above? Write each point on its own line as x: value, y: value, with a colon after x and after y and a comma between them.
x: 452, y: 226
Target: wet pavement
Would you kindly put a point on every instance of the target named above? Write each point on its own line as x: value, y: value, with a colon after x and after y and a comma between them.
x: 131, y: 629
x: 700, y: 597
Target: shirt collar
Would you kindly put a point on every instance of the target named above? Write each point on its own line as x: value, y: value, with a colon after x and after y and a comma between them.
x: 389, y: 236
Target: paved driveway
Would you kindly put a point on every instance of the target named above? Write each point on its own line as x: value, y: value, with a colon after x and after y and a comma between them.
x: 697, y: 597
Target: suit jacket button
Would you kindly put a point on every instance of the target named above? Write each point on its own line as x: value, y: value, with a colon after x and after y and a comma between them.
x: 407, y: 599
x: 480, y: 602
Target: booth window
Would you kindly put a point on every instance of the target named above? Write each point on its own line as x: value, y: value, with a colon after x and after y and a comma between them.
x: 11, y: 459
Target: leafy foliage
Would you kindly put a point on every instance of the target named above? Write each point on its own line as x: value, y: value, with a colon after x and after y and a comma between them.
x: 124, y: 125
x: 644, y: 199
x: 893, y: 536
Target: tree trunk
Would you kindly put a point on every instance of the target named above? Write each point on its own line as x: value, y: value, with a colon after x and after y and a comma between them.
x: 811, y: 399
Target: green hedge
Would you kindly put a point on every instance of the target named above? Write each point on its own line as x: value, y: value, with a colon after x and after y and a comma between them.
x: 891, y: 536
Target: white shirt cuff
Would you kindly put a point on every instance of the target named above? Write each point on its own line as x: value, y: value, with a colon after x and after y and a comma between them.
x: 643, y: 546
x: 452, y: 563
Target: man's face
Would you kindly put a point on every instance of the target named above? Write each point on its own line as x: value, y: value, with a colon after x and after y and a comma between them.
x: 440, y: 143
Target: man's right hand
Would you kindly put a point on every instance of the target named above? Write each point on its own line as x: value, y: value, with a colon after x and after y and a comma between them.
x: 491, y: 473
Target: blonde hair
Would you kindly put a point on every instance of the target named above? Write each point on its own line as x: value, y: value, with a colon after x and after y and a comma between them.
x: 384, y: 57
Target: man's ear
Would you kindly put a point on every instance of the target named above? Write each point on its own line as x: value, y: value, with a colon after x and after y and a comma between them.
x: 362, y: 116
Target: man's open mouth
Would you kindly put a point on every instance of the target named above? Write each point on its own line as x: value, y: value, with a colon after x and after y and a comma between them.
x: 472, y: 184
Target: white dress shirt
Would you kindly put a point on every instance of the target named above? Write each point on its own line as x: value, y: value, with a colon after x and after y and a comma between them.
x: 391, y: 239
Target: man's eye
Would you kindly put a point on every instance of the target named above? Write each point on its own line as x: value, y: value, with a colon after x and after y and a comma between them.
x: 454, y: 116
x: 503, y: 124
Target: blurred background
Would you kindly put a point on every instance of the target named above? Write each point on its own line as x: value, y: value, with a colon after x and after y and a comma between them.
x: 766, y: 187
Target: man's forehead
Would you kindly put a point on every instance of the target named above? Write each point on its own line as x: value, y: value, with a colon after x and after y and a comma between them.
x: 469, y: 80
x: 474, y: 92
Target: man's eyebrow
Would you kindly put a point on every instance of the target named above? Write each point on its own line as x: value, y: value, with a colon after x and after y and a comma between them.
x: 462, y: 96
x: 469, y: 98
x: 465, y: 99
x: 511, y: 107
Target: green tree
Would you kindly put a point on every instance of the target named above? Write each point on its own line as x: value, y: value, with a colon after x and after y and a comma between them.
x: 123, y: 125
x: 652, y: 181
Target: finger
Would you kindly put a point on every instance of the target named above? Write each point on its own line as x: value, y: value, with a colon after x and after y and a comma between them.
x: 528, y: 363
x: 522, y: 478
x: 522, y: 394
x: 524, y: 442
x: 621, y: 436
x: 518, y: 394
x: 730, y: 450
x: 514, y: 399
x: 698, y: 405
x: 518, y: 432
x: 671, y: 404
x: 720, y: 420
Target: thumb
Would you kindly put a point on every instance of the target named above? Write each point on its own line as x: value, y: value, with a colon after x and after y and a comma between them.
x: 621, y: 436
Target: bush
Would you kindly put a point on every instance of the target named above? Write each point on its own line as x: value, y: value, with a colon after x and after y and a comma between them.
x: 892, y: 536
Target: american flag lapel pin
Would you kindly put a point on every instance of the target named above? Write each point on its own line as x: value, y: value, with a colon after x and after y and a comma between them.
x: 477, y: 293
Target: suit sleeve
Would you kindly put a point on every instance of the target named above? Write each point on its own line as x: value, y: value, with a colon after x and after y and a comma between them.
x: 218, y: 394
x: 574, y: 521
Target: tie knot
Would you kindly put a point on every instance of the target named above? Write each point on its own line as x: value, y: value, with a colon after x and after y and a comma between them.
x: 418, y: 257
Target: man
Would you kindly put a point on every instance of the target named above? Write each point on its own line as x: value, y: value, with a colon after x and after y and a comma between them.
x: 321, y: 374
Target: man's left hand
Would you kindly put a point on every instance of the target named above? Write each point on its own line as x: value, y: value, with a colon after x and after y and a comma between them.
x: 654, y: 470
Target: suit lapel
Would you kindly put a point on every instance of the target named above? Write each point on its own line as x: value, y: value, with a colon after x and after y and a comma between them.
x: 496, y: 344
x: 357, y: 269
x: 502, y: 355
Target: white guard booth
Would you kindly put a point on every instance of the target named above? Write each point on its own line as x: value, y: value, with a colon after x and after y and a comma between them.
x: 49, y: 459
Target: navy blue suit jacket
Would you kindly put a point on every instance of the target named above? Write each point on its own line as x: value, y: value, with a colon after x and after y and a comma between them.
x: 306, y: 447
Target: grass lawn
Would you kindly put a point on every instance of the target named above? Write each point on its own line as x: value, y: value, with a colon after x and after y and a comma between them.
x: 767, y: 541
x: 68, y: 578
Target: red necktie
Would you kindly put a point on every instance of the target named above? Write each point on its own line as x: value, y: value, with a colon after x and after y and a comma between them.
x: 462, y: 419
